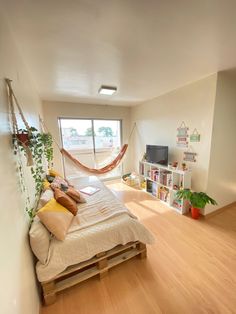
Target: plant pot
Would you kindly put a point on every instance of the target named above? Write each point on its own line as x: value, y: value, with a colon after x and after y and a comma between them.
x: 23, y: 138
x: 195, y: 212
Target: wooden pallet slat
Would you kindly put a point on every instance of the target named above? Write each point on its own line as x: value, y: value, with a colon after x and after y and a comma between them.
x: 98, y: 265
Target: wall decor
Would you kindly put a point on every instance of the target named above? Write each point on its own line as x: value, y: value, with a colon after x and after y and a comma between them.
x: 182, y: 135
x: 195, y: 136
x: 190, y: 156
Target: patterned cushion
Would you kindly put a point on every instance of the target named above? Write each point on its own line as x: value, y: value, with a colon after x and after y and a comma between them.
x: 56, y: 218
x: 73, y: 193
x: 65, y: 201
x: 57, y: 182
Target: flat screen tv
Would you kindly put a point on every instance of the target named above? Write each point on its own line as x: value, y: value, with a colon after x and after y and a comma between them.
x: 157, y: 154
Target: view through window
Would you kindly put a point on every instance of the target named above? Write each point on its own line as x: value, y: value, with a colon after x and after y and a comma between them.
x: 93, y: 142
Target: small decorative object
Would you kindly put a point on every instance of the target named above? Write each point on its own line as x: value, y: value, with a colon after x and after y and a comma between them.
x: 144, y: 157
x: 131, y: 179
x: 195, y: 136
x: 190, y: 156
x: 184, y: 166
x: 175, y: 164
x: 182, y: 135
x: 198, y: 200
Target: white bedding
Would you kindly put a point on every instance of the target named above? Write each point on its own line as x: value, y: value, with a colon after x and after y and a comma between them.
x: 83, y: 243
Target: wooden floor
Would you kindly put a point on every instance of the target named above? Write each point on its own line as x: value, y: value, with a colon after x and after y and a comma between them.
x: 190, y: 269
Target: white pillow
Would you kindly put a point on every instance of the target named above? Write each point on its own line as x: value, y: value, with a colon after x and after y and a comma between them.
x: 39, y: 240
x: 46, y: 196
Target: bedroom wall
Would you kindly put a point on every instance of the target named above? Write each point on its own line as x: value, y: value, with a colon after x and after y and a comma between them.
x: 158, y: 119
x: 54, y: 110
x: 18, y: 285
x: 222, y: 170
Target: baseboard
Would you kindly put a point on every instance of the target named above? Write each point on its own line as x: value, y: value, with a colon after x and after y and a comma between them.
x: 219, y: 210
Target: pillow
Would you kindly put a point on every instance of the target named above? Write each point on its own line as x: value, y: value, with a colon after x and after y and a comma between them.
x: 46, y: 184
x: 54, y: 173
x: 50, y: 178
x: 45, y: 197
x: 56, y: 218
x: 39, y: 240
x: 65, y: 201
x: 57, y: 182
x: 73, y: 193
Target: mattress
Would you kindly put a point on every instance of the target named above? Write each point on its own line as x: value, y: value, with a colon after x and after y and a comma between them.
x: 83, y: 243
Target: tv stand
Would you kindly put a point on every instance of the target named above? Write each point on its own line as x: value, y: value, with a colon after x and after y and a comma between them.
x: 163, y: 183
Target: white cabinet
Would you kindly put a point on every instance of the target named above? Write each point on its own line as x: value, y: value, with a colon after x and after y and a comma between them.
x: 163, y: 183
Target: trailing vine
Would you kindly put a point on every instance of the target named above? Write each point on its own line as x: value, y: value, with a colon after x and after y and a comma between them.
x: 36, y: 147
x: 40, y: 146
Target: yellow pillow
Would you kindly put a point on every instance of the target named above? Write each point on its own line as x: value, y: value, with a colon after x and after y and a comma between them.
x: 56, y: 218
x: 46, y: 184
x: 54, y: 173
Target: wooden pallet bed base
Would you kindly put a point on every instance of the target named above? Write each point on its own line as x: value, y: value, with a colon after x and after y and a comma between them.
x: 98, y: 265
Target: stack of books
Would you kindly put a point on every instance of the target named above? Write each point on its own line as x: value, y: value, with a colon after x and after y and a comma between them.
x: 166, y: 179
x: 154, y: 174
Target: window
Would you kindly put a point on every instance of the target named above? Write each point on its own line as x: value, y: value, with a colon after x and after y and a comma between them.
x: 94, y: 142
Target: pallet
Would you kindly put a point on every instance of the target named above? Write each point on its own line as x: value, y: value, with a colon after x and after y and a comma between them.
x: 98, y: 265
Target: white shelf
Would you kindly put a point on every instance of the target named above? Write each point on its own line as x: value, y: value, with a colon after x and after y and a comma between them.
x: 179, y: 178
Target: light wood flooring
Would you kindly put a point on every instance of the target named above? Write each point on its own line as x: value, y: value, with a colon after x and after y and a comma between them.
x: 190, y: 269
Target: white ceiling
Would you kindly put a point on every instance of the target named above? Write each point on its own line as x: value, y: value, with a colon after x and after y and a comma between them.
x: 144, y: 47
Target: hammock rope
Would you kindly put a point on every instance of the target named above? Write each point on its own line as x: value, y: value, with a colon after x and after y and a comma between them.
x: 109, y: 167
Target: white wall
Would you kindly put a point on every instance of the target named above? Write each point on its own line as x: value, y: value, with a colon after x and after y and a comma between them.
x: 54, y: 110
x: 18, y: 291
x: 158, y: 119
x: 222, y: 170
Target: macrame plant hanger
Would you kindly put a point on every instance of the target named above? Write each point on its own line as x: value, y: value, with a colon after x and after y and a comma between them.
x: 13, y: 100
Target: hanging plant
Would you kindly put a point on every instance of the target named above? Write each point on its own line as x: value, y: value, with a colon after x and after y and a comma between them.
x: 35, y: 145
x: 39, y: 146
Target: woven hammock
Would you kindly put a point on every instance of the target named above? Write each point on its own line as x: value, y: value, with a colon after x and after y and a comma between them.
x: 97, y: 171
x: 112, y: 165
x: 109, y: 167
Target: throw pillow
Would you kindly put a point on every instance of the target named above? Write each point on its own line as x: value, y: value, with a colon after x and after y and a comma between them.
x: 73, y: 193
x: 54, y: 173
x: 65, y: 201
x: 56, y: 218
x: 45, y: 197
x: 57, y: 182
x: 39, y: 240
x: 46, y: 185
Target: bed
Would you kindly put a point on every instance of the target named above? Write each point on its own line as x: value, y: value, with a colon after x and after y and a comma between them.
x: 106, y: 235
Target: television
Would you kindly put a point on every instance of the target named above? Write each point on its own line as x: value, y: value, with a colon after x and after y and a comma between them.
x: 157, y: 154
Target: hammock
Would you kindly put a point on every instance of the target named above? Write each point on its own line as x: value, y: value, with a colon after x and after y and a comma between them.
x: 103, y: 170
x: 64, y: 152
x: 109, y: 167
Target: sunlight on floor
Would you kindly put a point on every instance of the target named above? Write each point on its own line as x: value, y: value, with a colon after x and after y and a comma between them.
x: 140, y: 203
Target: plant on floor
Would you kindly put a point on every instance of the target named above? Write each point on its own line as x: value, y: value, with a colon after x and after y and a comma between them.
x: 198, y: 200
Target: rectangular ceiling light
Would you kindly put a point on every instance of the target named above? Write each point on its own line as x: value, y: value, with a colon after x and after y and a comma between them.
x: 107, y: 90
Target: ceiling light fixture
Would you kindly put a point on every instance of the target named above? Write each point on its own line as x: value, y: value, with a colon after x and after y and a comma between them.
x: 107, y: 90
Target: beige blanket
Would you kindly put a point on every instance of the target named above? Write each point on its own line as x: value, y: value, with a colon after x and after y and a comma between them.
x: 99, y: 207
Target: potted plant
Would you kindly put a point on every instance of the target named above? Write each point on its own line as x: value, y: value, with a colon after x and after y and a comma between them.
x: 198, y: 200
x: 23, y: 137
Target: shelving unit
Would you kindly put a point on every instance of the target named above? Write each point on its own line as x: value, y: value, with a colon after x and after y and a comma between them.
x: 163, y: 183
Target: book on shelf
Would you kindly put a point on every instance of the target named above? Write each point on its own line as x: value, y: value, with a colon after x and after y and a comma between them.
x: 154, y: 188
